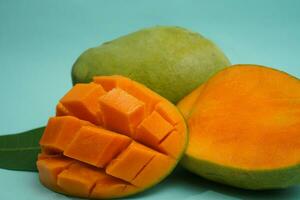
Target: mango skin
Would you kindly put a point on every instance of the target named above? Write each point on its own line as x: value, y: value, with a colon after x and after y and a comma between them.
x: 242, y: 178
x: 172, y: 61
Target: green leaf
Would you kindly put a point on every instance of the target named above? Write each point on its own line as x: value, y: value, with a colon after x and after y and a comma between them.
x: 19, y: 151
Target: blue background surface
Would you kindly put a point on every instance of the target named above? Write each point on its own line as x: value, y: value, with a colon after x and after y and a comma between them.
x: 40, y: 40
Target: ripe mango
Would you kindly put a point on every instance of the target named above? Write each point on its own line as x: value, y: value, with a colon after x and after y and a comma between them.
x: 244, y: 128
x: 171, y: 61
x: 110, y: 138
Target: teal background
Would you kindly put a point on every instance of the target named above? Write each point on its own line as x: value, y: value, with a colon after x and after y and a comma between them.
x: 40, y: 40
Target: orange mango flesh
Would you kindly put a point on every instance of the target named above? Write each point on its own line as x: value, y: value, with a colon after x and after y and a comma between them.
x: 50, y: 168
x: 78, y: 179
x: 60, y: 131
x: 153, y: 130
x: 137, y: 90
x: 187, y: 104
x: 116, y: 136
x: 153, y: 168
x: 82, y: 101
x: 136, y: 155
x: 247, y: 117
x: 109, y: 188
x: 171, y: 144
x: 61, y: 110
x: 121, y: 111
x: 97, y: 146
x: 166, y: 111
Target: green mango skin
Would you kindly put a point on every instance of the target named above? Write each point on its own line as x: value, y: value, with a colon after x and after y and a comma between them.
x: 246, y: 179
x: 172, y: 61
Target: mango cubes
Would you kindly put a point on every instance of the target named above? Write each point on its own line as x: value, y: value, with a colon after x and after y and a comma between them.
x: 111, y: 138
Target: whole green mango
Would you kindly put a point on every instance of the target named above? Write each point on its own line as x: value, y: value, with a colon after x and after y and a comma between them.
x: 172, y: 61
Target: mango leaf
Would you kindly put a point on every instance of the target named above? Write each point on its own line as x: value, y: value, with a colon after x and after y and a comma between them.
x: 19, y: 151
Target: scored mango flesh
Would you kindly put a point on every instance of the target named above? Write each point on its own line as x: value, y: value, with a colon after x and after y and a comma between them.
x: 111, y: 138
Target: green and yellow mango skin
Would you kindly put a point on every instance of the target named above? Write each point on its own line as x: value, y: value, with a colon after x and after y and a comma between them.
x: 242, y: 178
x: 172, y: 61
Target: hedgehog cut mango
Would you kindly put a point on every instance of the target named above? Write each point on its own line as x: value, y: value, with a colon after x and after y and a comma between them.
x: 111, y: 138
x: 244, y: 128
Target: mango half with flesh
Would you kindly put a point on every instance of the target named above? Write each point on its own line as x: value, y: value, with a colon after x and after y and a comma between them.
x: 111, y: 138
x: 244, y: 128
x: 171, y: 61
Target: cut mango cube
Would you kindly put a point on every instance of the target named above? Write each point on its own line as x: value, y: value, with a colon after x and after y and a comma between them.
x: 96, y: 146
x: 155, y: 168
x: 60, y: 131
x: 122, y: 112
x: 168, y: 111
x: 153, y: 129
x: 130, y: 162
x: 141, y: 92
x: 172, y: 144
x: 82, y: 101
x: 107, y: 82
x: 49, y: 168
x: 79, y: 179
x: 137, y: 90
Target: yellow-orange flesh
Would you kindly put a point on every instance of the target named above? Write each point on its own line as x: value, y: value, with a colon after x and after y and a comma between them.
x: 247, y: 117
x: 111, y: 138
x: 187, y: 104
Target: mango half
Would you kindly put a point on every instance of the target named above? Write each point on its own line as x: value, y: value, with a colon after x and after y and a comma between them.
x: 111, y: 138
x: 171, y: 61
x: 244, y: 128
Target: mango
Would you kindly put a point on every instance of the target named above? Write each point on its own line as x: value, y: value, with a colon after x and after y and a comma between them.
x: 244, y: 128
x: 172, y: 61
x: 110, y: 138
